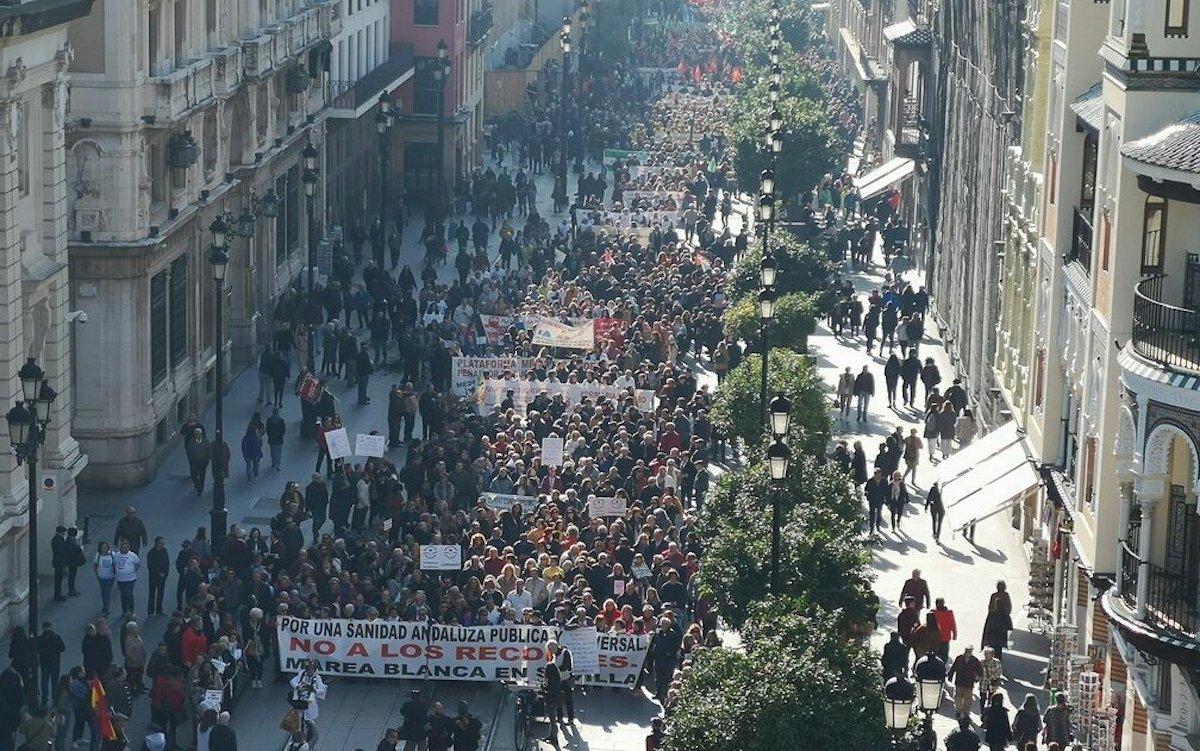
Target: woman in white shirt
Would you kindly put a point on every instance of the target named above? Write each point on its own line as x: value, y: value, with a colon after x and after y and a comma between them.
x: 106, y: 571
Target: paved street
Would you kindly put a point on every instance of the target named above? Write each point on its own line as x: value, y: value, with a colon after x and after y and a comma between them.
x: 963, y: 573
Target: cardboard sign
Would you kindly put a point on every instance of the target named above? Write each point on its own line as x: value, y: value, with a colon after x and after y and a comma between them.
x: 552, y: 451
x: 502, y: 502
x: 369, y: 445
x: 607, y: 506
x: 441, y: 558
x: 618, y: 587
x: 309, y: 388
x: 338, y: 442
x: 212, y: 699
x: 387, y: 525
x: 553, y: 333
x: 585, y: 651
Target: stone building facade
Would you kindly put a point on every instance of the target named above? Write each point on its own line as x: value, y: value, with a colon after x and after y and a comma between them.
x: 181, y: 111
x: 35, y: 57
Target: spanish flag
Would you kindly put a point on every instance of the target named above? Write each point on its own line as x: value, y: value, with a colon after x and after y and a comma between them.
x: 108, y: 731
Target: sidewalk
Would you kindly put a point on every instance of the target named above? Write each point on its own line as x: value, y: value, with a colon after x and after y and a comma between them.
x: 962, y: 573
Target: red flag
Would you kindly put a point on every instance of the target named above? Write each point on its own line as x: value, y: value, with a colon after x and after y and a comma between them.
x: 681, y: 69
x: 696, y: 74
x: 712, y: 65
x: 99, y: 702
x: 736, y: 75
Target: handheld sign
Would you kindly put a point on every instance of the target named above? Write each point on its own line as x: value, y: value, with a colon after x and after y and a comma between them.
x: 585, y: 650
x: 552, y: 451
x: 607, y: 506
x: 339, y: 443
x: 369, y: 445
x: 441, y: 558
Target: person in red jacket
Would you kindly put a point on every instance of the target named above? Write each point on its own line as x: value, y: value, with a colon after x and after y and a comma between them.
x: 947, y: 627
x: 193, y: 642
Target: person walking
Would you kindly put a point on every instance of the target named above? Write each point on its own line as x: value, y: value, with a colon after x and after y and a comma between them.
x: 307, y: 690
x: 917, y: 588
x: 965, y: 428
x: 60, y: 558
x: 199, y: 454
x: 910, y: 371
x: 947, y: 628
x: 925, y: 637
x: 997, y: 732
x: 276, y: 429
x: 912, y: 454
x: 845, y: 393
x: 930, y: 376
x: 891, y: 377
x: 895, y: 657
x: 932, y: 433
x: 252, y: 450
x: 126, y: 565
x: 864, y: 389
x: 964, y: 673
x: 565, y: 660
x: 1027, y: 723
x: 365, y: 369
x: 132, y: 530
x: 945, y: 425
x: 50, y: 648
x: 998, y: 622
x: 897, y: 499
x: 876, y: 490
x: 858, y: 469
x: 158, y: 566
x: 964, y: 738
x: 1056, y: 722
x: 104, y: 566
x: 412, y: 727
x: 936, y: 509
x: 992, y: 680
x: 75, y: 558
x: 468, y: 730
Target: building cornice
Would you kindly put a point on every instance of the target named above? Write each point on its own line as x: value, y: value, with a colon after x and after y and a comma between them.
x: 39, y: 15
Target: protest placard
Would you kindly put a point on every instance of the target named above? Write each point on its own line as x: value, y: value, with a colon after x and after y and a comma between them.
x: 607, y: 506
x: 441, y: 558
x: 339, y: 443
x: 552, y: 451
x: 503, y: 502
x: 618, y: 587
x: 554, y: 333
x: 585, y: 649
x: 369, y: 445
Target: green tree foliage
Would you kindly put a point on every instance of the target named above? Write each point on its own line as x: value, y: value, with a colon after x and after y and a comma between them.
x: 811, y: 146
x: 799, y: 685
x: 795, y: 319
x: 801, y: 267
x: 808, y: 483
x: 737, y: 408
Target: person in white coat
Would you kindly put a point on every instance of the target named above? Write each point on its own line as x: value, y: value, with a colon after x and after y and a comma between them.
x: 307, y: 690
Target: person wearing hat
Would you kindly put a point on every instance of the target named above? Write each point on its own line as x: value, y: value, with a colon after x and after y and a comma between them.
x: 413, y: 729
x: 468, y: 730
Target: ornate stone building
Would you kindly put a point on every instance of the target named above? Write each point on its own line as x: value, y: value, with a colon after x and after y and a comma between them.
x: 34, y: 297
x: 182, y: 111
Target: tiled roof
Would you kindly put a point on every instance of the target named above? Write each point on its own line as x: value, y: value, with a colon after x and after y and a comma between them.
x: 1176, y: 146
x: 908, y: 34
x: 1089, y: 106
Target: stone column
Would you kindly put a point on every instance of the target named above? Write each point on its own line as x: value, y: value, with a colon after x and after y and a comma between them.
x: 1150, y: 490
x: 1127, y: 501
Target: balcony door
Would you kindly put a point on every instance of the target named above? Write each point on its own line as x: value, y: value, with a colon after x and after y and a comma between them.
x: 1182, y: 556
x: 1191, y: 282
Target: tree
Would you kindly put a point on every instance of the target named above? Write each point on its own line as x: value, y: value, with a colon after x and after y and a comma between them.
x: 795, y: 319
x: 801, y: 267
x: 811, y: 145
x: 797, y: 686
x: 821, y: 559
x: 808, y: 483
x: 737, y: 409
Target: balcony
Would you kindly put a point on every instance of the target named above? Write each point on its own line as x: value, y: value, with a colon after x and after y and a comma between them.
x: 911, y: 130
x: 179, y: 93
x: 1170, y: 598
x: 1081, y: 239
x: 1164, y: 333
x: 351, y: 99
x: 478, y: 25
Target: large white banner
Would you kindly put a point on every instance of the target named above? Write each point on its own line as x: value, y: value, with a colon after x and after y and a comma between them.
x: 401, y: 649
x: 466, y: 373
x: 493, y: 390
x: 553, y: 333
x: 503, y: 502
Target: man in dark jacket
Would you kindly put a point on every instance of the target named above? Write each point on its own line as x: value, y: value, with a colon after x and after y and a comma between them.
x: 222, y: 737
x: 957, y: 396
x: 158, y: 564
x: 963, y: 739
x: 864, y: 389
x: 365, y: 369
x: 468, y: 730
x: 930, y: 376
x: 910, y: 371
x: 412, y: 729
x: 441, y: 729
x: 276, y: 430
x: 876, y: 490
x: 131, y: 529
x: 50, y: 649
x: 316, y: 499
x: 895, y: 657
x: 664, y: 651
x: 60, y: 559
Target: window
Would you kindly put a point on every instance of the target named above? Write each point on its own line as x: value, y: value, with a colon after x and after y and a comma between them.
x: 1039, y: 378
x: 21, y: 113
x: 181, y: 26
x: 210, y: 24
x: 287, y: 224
x: 420, y: 167
x: 1052, y: 180
x: 179, y: 310
x: 1087, y: 181
x: 1087, y: 478
x: 425, y: 12
x: 425, y: 88
x: 1154, y: 234
x: 158, y: 327
x: 1177, y: 18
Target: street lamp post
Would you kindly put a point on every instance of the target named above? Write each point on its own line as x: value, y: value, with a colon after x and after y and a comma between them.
x: 441, y: 70
x: 930, y: 673
x: 898, y: 695
x: 383, y: 119
x: 27, y: 422
x: 778, y: 456
x: 219, y: 258
x: 565, y: 40
x: 309, y: 179
x: 766, y: 298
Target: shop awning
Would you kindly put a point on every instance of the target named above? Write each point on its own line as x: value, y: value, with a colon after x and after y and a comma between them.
x: 986, y: 478
x: 892, y: 172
